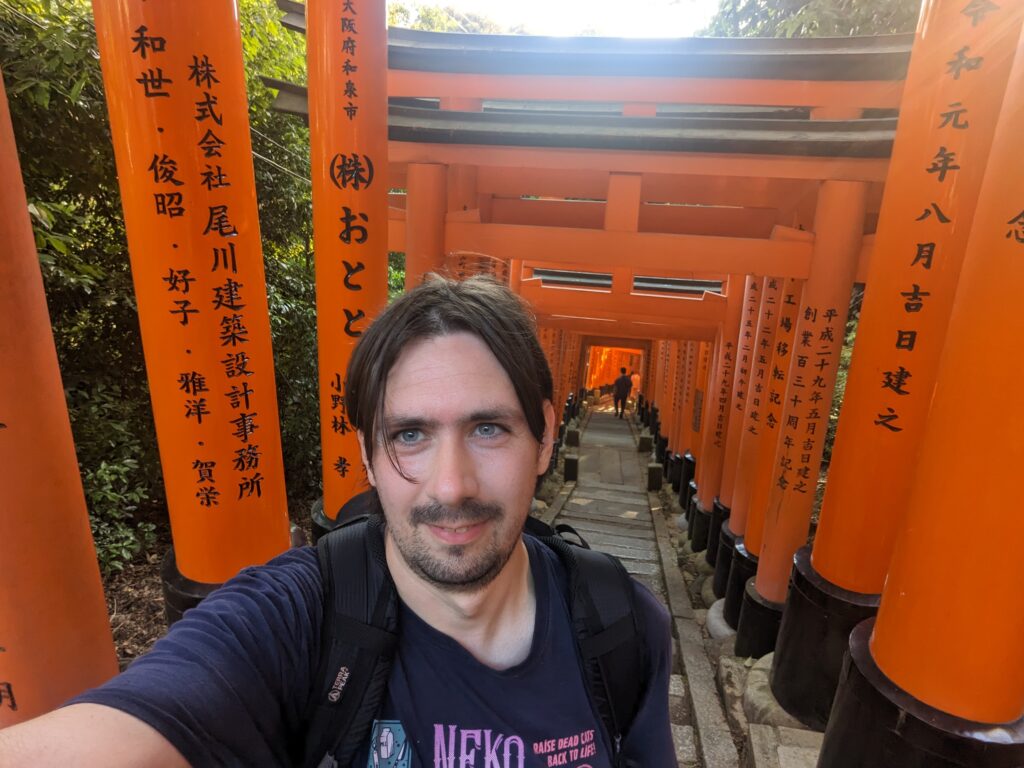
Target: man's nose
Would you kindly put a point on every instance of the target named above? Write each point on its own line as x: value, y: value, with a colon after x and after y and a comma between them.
x: 453, y: 476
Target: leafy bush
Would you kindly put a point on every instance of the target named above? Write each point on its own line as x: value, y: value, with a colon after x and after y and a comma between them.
x: 117, y: 470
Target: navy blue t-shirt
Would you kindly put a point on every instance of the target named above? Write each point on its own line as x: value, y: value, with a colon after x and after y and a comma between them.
x: 230, y: 683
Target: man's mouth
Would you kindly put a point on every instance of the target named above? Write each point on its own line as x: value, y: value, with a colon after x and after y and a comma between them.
x: 457, y: 535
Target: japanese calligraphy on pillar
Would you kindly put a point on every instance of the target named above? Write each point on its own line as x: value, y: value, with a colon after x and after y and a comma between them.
x: 813, y: 368
x: 723, y: 390
x: 745, y: 346
x: 779, y: 357
x: 936, y: 191
x: 7, y: 697
x: 179, y: 117
x: 757, y: 388
x: 959, y: 68
x: 347, y: 46
x: 703, y: 366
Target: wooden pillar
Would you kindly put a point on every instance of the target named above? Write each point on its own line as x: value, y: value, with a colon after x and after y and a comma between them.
x: 349, y: 219
x: 950, y: 663
x: 676, y: 424
x: 672, y: 400
x: 741, y: 374
x: 763, y: 465
x: 701, y: 393
x: 747, y: 389
x: 922, y: 234
x: 838, y: 235
x: 900, y: 335
x: 756, y: 402
x: 54, y: 633
x: 424, y: 221
x: 738, y: 554
x: 180, y: 126
x: 716, y: 416
x: 687, y: 378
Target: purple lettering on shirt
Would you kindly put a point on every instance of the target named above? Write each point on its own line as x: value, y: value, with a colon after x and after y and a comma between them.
x: 444, y: 757
x: 520, y: 749
x: 491, y: 750
x: 467, y: 756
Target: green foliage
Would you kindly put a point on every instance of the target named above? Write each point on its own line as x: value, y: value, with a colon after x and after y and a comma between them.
x: 396, y: 275
x: 53, y: 80
x: 103, y: 419
x: 812, y: 18
x: 291, y: 296
x: 54, y: 83
x: 437, y: 18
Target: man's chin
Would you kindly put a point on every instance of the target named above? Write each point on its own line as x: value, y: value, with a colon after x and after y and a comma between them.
x: 455, y: 570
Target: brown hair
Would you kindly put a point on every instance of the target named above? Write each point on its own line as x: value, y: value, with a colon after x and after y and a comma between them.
x: 438, y: 307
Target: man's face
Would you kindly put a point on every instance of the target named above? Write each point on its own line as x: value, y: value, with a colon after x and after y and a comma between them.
x: 462, y: 440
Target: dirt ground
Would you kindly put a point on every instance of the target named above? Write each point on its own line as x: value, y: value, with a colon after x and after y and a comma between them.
x: 136, y: 606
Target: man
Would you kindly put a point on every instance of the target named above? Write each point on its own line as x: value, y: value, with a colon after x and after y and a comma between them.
x: 451, y: 396
x: 620, y: 392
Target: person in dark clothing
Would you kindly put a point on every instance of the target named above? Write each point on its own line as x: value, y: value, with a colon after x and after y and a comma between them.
x: 620, y: 392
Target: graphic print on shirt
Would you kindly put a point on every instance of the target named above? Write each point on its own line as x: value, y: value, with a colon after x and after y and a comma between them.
x: 456, y: 747
x: 389, y: 747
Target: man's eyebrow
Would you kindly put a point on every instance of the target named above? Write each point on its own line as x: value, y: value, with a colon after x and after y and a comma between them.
x: 399, y: 421
x: 494, y: 414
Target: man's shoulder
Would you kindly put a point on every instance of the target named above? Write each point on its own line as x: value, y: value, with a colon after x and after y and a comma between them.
x: 287, y: 588
x: 296, y: 568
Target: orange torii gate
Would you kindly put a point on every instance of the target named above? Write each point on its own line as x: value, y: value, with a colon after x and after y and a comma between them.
x: 724, y: 192
x: 637, y: 223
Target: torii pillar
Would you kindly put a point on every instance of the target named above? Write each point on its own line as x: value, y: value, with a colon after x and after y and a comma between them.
x: 919, y: 248
x: 937, y: 679
x: 838, y: 236
x: 716, y: 415
x: 426, y: 196
x: 752, y: 427
x: 175, y: 87
x: 55, y: 639
x: 749, y: 547
x: 744, y: 344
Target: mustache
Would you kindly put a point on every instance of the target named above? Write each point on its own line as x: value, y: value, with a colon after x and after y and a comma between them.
x: 469, y: 512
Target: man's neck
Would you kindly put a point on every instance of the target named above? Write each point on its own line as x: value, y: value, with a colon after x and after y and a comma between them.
x: 495, y: 623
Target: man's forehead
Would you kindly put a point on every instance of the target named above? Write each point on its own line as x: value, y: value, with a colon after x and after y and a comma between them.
x: 396, y: 415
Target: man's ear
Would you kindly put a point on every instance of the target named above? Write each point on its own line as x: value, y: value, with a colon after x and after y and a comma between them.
x: 366, y: 464
x: 547, y: 439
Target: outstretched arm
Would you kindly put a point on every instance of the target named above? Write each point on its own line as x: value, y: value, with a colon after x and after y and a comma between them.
x: 86, y: 735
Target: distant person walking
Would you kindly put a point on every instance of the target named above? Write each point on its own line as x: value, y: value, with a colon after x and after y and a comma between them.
x: 620, y: 392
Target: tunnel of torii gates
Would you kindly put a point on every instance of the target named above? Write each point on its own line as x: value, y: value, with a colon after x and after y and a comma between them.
x: 700, y: 208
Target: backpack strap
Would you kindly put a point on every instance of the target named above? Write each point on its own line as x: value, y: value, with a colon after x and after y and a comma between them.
x: 609, y: 635
x: 359, y: 635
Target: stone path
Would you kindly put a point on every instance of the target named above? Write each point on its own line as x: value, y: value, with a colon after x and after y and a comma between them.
x: 610, y: 507
x: 723, y: 714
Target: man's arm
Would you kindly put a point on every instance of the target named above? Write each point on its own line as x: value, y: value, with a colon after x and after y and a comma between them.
x: 228, y: 685
x: 86, y: 735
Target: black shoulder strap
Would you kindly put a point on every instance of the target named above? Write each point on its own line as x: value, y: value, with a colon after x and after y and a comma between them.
x: 358, y: 641
x: 608, y: 631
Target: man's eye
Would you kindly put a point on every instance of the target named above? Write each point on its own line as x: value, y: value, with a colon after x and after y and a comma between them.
x: 408, y: 436
x: 489, y: 430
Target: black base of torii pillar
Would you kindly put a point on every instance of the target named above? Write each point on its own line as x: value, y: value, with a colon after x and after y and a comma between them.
x: 180, y: 592
x: 719, y: 515
x: 876, y: 724
x: 813, y: 641
x: 742, y: 566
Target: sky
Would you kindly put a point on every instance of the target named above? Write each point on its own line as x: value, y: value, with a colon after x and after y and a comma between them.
x: 606, y: 18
